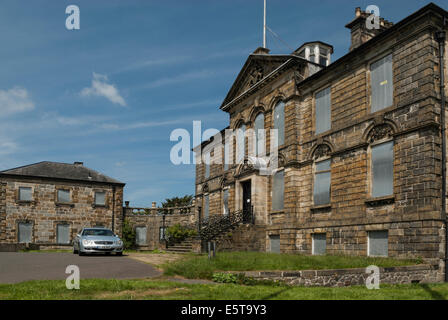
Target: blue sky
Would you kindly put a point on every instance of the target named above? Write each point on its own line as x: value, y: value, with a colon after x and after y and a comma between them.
x: 110, y: 93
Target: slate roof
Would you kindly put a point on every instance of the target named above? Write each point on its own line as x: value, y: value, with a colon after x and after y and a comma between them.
x: 58, y: 170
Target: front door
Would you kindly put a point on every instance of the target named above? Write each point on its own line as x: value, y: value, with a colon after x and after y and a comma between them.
x: 247, y: 201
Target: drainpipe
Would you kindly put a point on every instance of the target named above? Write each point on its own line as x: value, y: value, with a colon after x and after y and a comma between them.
x: 441, y: 37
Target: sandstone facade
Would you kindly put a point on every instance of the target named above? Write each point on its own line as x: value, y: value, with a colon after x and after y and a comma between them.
x: 411, y: 215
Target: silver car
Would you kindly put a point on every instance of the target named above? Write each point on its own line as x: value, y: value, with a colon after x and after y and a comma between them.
x: 97, y: 240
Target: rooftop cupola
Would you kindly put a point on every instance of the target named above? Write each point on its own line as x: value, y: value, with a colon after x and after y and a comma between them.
x: 316, y: 51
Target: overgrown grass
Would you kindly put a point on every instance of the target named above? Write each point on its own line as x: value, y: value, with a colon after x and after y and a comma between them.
x: 200, y: 267
x: 146, y: 289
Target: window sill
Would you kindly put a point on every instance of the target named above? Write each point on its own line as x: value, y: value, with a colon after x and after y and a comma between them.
x: 277, y: 212
x: 321, y: 208
x: 99, y: 206
x: 68, y: 204
x: 25, y: 202
x: 380, y: 201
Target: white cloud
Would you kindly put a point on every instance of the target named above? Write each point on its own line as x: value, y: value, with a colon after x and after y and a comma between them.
x: 100, y: 87
x: 15, y: 100
x: 7, y: 147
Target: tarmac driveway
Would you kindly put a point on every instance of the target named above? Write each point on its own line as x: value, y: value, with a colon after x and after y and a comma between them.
x: 23, y: 266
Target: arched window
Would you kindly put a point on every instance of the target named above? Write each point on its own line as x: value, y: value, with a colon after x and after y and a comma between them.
x: 259, y: 134
x: 240, y: 143
x: 279, y: 123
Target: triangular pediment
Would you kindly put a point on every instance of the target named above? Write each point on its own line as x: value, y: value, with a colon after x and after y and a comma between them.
x: 256, y: 68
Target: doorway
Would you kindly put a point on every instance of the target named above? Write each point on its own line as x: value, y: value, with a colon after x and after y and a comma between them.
x: 247, y: 202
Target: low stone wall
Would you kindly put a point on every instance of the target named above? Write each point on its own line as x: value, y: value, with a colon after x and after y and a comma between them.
x: 348, y: 277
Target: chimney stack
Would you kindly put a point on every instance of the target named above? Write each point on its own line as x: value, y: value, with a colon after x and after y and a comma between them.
x: 359, y: 31
x: 154, y: 204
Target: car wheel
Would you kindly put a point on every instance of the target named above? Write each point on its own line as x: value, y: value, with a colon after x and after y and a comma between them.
x: 119, y: 253
x: 107, y: 253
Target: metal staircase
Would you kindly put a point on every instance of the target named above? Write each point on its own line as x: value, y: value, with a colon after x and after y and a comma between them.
x: 212, y: 227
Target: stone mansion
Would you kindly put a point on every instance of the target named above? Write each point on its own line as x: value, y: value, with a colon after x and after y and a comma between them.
x: 359, y: 145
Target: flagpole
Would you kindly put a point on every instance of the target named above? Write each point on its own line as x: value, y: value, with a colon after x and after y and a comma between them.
x: 264, y: 25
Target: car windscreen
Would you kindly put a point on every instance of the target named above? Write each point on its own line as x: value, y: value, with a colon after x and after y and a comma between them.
x: 97, y: 232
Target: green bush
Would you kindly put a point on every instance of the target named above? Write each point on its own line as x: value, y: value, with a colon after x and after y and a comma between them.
x: 240, y: 279
x: 128, y: 235
x: 178, y: 233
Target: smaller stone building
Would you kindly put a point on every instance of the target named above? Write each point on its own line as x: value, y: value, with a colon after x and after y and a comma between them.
x: 48, y: 203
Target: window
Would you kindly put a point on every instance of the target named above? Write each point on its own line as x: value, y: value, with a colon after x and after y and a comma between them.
x: 206, y: 206
x: 225, y: 198
x: 322, y: 181
x: 25, y: 232
x: 140, y: 236
x: 241, y: 143
x: 319, y: 245
x: 226, y: 155
x: 382, y: 84
x: 162, y: 231
x: 382, y: 169
x: 100, y: 198
x: 323, y: 110
x: 63, y: 195
x: 259, y: 134
x: 279, y: 123
x: 274, y: 242
x: 323, y: 56
x: 25, y: 194
x: 63, y: 233
x: 278, y: 188
x: 378, y: 243
x: 207, y: 165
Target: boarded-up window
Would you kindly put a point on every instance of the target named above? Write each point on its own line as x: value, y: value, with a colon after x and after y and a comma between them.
x: 225, y: 196
x: 279, y: 123
x: 241, y: 145
x: 382, y: 83
x: 259, y: 134
x: 63, y: 233
x: 278, y: 188
x: 25, y: 194
x: 25, y: 232
x: 383, y: 169
x: 100, y: 198
x: 322, y: 180
x: 378, y: 243
x: 207, y: 165
x: 63, y: 195
x: 162, y: 231
x: 226, y: 155
x: 140, y: 236
x: 319, y: 243
x: 323, y: 110
x: 274, y: 242
x: 206, y: 206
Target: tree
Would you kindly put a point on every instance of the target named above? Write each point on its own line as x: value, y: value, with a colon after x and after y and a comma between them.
x: 177, y: 201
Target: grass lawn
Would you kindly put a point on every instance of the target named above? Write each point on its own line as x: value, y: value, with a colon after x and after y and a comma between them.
x: 160, y: 289
x: 199, y: 267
